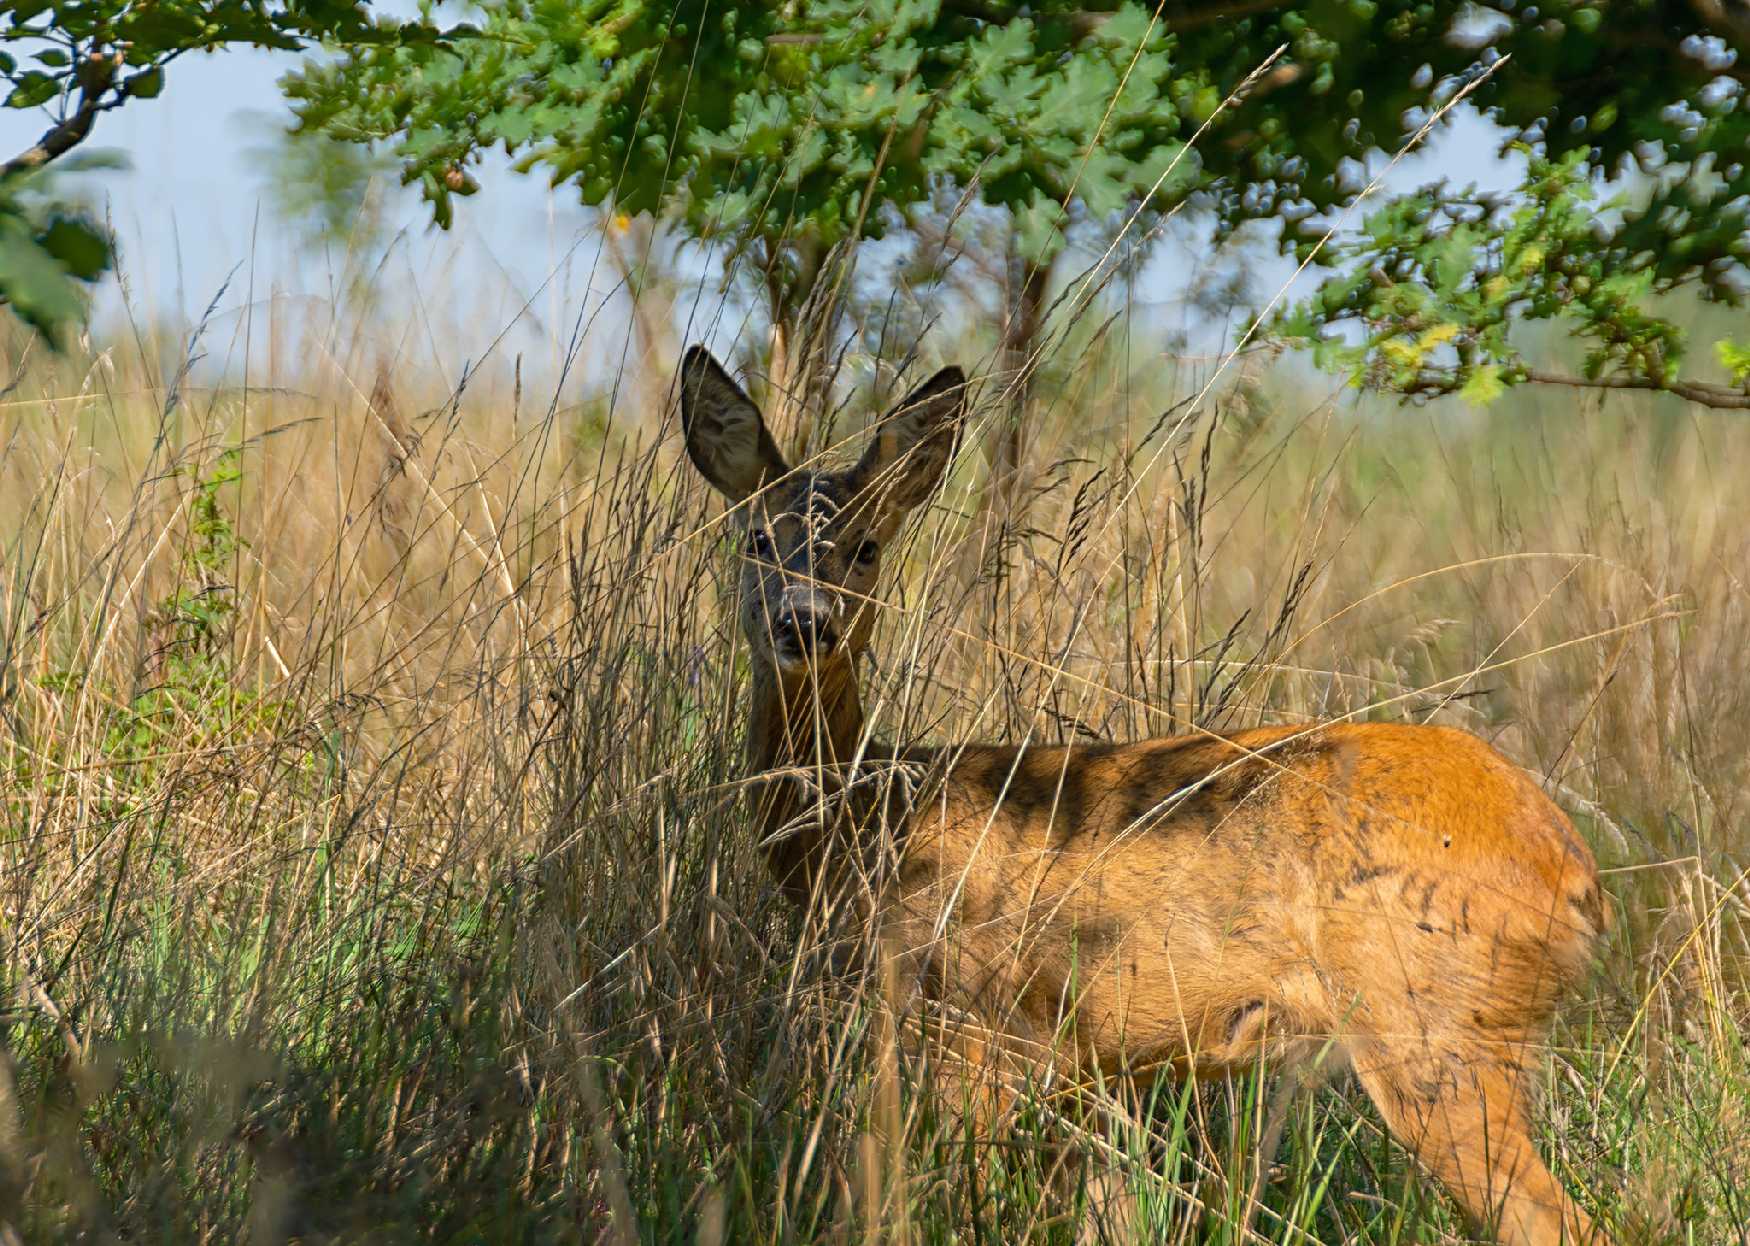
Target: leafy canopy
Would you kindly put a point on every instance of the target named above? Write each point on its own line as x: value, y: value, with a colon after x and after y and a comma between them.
x: 788, y: 125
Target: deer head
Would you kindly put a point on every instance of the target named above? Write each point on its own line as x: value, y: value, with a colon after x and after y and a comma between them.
x: 812, y: 541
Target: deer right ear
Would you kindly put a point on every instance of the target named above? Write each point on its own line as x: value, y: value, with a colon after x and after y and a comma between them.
x: 726, y: 437
x: 914, y: 443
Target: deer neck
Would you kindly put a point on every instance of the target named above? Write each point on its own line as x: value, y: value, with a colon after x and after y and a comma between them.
x: 800, y: 725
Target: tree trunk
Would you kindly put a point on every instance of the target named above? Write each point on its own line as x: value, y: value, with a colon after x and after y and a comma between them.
x: 780, y: 308
x: 794, y: 401
x: 1005, y: 498
x: 1029, y: 285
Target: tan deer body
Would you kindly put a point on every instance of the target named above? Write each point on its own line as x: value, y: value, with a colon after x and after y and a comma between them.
x: 1399, y: 898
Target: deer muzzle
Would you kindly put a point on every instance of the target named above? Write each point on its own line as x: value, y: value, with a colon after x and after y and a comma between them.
x: 805, y: 626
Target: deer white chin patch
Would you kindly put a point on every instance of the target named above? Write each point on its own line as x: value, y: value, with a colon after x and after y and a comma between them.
x: 791, y: 661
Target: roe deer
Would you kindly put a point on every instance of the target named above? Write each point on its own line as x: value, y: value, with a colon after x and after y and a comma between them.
x: 1401, y: 896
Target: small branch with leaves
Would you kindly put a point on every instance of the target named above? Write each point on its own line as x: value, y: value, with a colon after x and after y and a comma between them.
x: 100, y: 89
x: 77, y: 59
x: 1440, y: 284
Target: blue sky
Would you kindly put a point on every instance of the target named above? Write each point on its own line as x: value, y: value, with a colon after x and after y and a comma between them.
x: 193, y: 208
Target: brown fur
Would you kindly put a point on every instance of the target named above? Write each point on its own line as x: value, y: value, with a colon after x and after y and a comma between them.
x: 1401, y: 897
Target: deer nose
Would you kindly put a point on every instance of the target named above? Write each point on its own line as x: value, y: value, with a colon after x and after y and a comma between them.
x: 805, y: 631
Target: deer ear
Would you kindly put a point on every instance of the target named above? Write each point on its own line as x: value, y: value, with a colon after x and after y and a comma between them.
x: 726, y: 437
x: 914, y: 443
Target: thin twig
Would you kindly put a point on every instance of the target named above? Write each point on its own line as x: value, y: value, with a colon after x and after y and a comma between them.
x: 1720, y: 397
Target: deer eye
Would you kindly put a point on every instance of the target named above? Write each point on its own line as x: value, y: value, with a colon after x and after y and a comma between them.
x: 866, y: 553
x: 759, y: 545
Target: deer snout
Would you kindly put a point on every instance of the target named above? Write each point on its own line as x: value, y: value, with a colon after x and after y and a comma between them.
x: 805, y: 625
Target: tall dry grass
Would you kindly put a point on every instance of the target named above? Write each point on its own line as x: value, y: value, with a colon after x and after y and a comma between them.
x: 375, y: 868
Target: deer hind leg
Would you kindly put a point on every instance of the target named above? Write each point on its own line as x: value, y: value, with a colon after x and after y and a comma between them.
x: 1465, y: 1121
x: 979, y: 1073
x: 978, y: 1081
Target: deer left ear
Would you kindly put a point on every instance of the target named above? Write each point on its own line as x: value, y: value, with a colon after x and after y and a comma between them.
x: 914, y: 443
x: 726, y: 438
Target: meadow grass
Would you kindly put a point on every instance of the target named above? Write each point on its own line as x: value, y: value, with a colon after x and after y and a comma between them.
x: 375, y: 866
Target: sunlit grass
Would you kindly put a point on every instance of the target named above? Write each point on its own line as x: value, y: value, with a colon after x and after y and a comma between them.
x: 373, y: 867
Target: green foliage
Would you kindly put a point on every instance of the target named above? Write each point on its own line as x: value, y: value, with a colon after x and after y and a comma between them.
x: 77, y: 59
x: 199, y: 612
x: 49, y: 253
x: 1646, y: 94
x: 784, y: 113
x: 792, y: 126
x: 1437, y: 280
x: 194, y: 696
x: 1734, y: 359
x: 320, y: 187
x: 49, y: 42
x: 786, y: 128
x: 1650, y: 84
x: 119, y: 51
